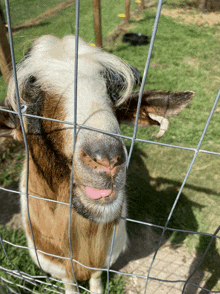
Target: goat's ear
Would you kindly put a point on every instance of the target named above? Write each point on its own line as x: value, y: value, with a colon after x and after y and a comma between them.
x: 155, y: 106
x: 9, y: 124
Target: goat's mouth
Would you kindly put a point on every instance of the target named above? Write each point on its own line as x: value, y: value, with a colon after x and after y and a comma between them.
x: 100, y: 195
x: 98, y: 205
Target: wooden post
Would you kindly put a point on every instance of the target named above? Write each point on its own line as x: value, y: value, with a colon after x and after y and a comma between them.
x: 142, y: 4
x: 97, y: 22
x: 127, y: 11
x: 5, y: 55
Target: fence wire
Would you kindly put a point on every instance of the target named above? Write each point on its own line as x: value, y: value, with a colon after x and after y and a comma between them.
x: 45, y: 280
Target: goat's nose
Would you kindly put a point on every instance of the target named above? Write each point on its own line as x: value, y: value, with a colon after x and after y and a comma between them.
x: 104, y: 159
x: 102, y: 163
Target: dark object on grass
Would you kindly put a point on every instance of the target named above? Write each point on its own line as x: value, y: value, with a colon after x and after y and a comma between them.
x: 135, y: 39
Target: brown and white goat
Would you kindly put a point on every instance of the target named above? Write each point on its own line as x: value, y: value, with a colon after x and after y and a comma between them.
x: 46, y: 87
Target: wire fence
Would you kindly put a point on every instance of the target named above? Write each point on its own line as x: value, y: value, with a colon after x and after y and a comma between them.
x: 44, y: 281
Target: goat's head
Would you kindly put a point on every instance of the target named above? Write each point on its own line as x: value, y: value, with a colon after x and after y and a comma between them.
x: 46, y: 87
x: 98, y: 159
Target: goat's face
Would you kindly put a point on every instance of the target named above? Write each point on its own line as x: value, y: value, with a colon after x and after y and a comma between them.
x: 46, y: 85
x: 99, y: 160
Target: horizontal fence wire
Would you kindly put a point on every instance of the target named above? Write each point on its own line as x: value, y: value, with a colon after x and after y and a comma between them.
x: 49, y: 281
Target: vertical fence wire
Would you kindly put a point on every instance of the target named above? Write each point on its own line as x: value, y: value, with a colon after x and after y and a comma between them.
x: 133, y: 140
x: 160, y: 2
x: 110, y: 255
x: 74, y: 136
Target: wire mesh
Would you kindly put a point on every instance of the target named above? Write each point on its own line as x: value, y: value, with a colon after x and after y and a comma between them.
x: 45, y: 280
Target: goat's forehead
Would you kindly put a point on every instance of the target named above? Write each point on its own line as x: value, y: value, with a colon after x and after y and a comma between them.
x: 57, y: 73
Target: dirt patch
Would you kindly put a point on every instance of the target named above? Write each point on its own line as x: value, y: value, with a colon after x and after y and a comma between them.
x: 193, y: 16
x: 171, y: 268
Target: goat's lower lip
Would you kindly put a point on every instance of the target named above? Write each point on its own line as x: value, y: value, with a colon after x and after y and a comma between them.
x: 96, y: 193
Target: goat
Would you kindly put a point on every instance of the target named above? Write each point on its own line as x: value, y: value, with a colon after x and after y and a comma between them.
x: 46, y: 88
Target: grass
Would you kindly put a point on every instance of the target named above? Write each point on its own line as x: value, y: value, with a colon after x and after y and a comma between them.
x: 185, y: 57
x: 19, y: 12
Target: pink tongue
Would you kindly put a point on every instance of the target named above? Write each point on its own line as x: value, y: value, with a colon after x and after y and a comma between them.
x: 95, y: 194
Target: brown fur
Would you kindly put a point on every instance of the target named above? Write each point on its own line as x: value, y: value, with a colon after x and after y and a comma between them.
x: 86, y: 237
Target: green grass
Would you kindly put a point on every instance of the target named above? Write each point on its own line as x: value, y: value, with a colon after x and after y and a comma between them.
x: 27, y: 9
x: 185, y: 57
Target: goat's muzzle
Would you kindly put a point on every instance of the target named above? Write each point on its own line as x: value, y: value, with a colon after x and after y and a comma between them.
x: 100, y: 169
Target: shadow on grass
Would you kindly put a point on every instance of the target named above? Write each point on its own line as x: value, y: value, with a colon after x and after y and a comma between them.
x: 148, y: 202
